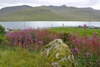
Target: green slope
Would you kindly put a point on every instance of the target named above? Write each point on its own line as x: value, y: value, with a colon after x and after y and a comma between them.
x: 51, y: 13
x: 73, y: 13
x: 34, y: 14
x: 8, y: 10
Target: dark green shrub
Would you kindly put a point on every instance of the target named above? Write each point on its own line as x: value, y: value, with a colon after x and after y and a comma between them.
x: 3, y: 38
x: 64, y: 36
x: 2, y: 30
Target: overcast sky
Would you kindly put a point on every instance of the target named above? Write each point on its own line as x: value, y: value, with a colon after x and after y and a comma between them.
x: 78, y: 3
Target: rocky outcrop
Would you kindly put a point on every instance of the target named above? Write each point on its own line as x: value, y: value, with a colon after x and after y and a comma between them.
x: 58, y: 53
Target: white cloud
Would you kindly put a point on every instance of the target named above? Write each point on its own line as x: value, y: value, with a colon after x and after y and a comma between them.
x: 78, y: 3
x: 61, y: 2
x: 97, y: 5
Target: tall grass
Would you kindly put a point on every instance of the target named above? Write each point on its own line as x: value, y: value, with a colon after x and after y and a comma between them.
x: 18, y: 57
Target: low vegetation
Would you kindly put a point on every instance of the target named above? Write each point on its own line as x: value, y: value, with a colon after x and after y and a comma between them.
x: 27, y: 43
x: 18, y: 57
x: 89, y: 32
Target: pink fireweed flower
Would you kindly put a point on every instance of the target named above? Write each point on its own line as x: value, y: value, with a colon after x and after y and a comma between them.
x: 62, y: 33
x: 77, y: 32
x: 98, y: 63
x: 76, y: 49
x: 68, y: 35
x: 83, y: 38
x: 31, y: 41
x: 40, y: 42
x: 72, y: 50
x: 84, y: 25
x: 87, y: 53
x: 78, y: 41
x: 89, y: 39
x: 52, y: 37
x: 94, y: 33
x: 55, y: 35
x: 60, y: 36
x: 72, y: 37
x: 20, y: 43
x: 35, y: 39
x: 74, y: 41
x: 51, y: 33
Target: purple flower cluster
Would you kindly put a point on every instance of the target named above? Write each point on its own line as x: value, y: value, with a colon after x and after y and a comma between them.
x: 29, y: 38
x: 87, y: 53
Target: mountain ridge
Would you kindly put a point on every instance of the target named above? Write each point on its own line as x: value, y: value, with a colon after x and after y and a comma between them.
x: 49, y: 13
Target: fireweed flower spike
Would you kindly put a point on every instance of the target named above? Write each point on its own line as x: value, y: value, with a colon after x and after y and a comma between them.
x: 87, y: 53
x: 98, y: 63
x: 84, y: 25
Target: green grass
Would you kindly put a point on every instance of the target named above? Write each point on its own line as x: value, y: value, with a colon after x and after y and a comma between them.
x: 17, y: 57
x: 81, y: 30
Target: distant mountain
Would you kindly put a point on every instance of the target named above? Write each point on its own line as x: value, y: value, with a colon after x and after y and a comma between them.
x: 57, y: 7
x: 48, y: 13
x: 89, y: 9
x: 7, y: 10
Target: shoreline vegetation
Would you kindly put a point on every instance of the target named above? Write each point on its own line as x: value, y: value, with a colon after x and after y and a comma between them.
x: 22, y: 48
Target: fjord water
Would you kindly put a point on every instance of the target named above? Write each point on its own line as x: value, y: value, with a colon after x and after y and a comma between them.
x: 42, y: 24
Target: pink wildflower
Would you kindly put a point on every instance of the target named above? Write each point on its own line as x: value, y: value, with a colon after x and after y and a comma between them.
x: 84, y: 25
x: 74, y: 41
x: 77, y: 32
x: 76, y: 49
x: 68, y: 35
x: 98, y: 63
x: 87, y: 53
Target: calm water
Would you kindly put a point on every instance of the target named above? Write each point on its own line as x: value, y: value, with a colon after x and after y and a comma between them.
x: 36, y: 24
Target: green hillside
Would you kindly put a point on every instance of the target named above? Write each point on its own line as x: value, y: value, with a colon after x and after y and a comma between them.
x: 51, y: 13
x: 35, y: 14
x: 8, y: 10
x: 82, y: 14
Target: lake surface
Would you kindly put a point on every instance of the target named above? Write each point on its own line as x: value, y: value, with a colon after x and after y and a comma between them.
x: 41, y: 24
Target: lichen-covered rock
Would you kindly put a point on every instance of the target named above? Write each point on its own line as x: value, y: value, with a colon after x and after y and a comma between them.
x: 58, y: 53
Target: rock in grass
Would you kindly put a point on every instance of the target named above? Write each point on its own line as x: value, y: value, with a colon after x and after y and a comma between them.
x: 58, y: 53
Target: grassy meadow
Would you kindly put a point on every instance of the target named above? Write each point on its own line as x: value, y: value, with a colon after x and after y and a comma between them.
x: 18, y: 57
x: 75, y: 30
x: 22, y: 48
